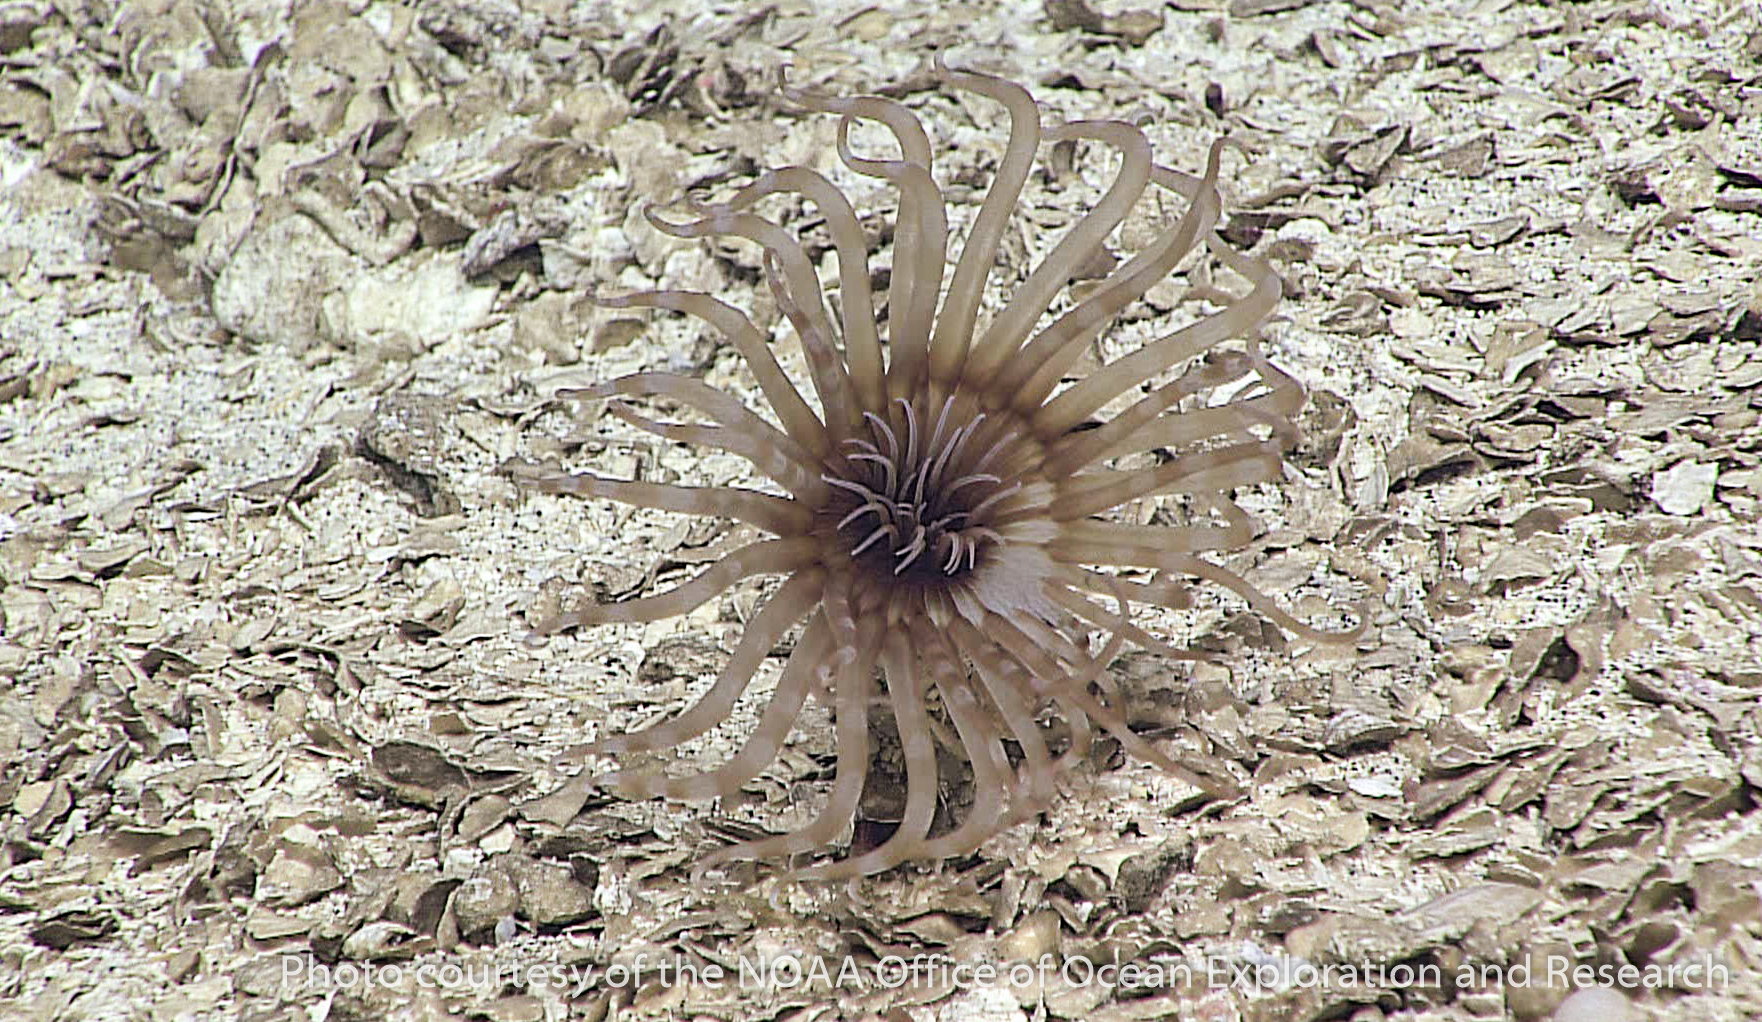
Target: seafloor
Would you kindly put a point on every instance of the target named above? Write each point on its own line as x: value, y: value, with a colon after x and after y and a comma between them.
x: 282, y: 285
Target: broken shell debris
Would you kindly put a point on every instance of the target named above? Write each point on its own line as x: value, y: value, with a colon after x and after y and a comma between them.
x: 280, y: 288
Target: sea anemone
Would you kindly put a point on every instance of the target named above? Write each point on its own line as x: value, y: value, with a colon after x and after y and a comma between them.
x: 944, y: 528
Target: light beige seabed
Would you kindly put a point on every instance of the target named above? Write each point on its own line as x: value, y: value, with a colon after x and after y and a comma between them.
x: 265, y: 595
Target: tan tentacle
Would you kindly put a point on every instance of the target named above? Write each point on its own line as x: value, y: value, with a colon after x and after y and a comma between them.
x: 920, y: 242
x: 1201, y: 568
x: 790, y: 274
x: 767, y: 557
x: 1148, y: 424
x: 1074, y: 405
x: 905, y: 690
x: 852, y: 684
x: 1218, y: 471
x: 1199, y: 775
x: 759, y: 749
x: 798, y: 419
x: 763, y: 632
x: 1150, y: 546
x: 736, y: 428
x: 991, y: 772
x: 953, y: 336
x: 774, y: 514
x: 862, y: 346
x: 1044, y: 360
x: 1003, y: 681
x: 1003, y: 338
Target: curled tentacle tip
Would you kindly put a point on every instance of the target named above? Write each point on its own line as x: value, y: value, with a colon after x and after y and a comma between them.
x: 1362, y: 612
x: 774, y: 271
x: 605, y: 388
x: 690, y: 206
x: 796, y: 94
x: 603, y: 300
x: 698, y: 207
x: 1214, y: 155
x: 820, y: 102
x: 845, y: 152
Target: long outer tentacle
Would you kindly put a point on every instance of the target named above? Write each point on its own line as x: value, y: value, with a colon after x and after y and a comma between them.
x: 761, y: 747
x: 852, y: 684
x: 953, y: 337
x: 798, y: 419
x: 905, y: 690
x: 767, y: 557
x: 1003, y: 338
x: 789, y: 605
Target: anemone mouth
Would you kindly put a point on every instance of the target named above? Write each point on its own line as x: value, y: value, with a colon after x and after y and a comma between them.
x: 917, y: 495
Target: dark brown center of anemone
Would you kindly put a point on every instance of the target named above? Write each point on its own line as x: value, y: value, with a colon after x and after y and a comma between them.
x: 914, y: 497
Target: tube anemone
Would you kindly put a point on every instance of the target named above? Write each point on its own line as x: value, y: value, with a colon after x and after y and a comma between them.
x: 944, y: 531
